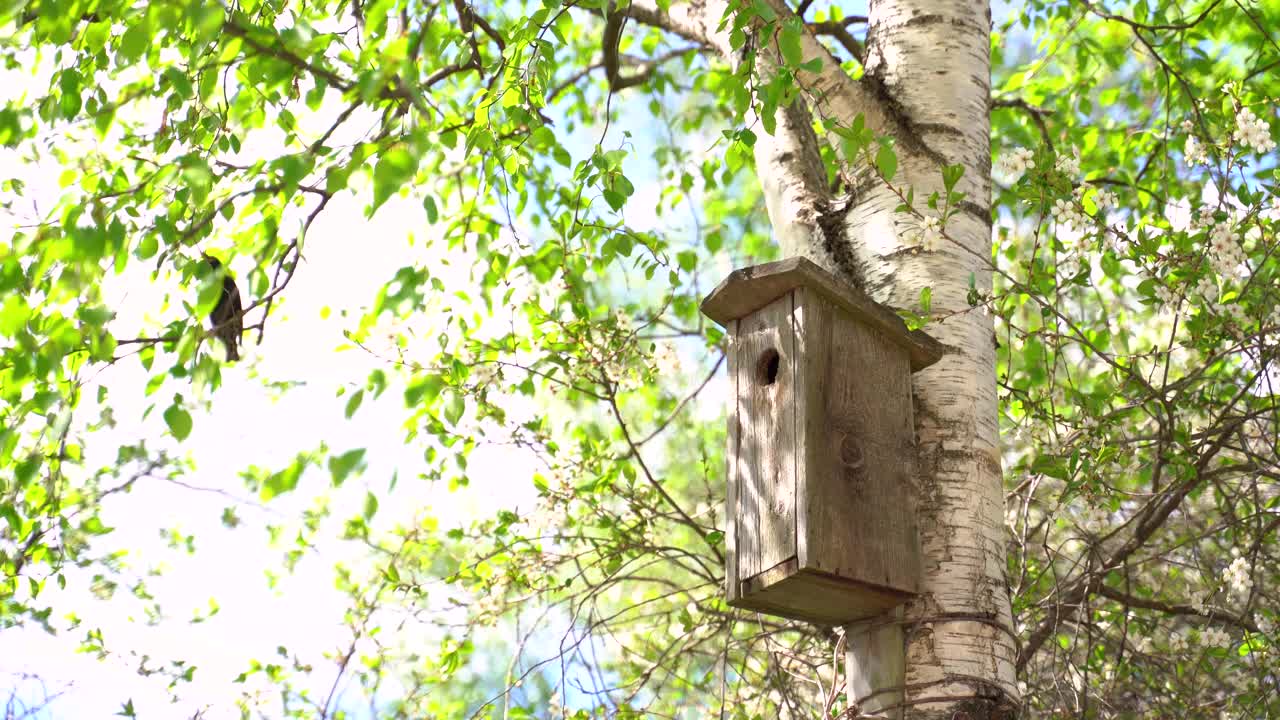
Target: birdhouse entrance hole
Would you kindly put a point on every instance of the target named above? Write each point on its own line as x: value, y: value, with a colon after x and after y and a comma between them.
x: 767, y: 367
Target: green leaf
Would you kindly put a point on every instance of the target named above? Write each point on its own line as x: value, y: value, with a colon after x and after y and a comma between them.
x: 687, y: 259
x: 284, y: 481
x: 178, y: 420
x: 789, y: 43
x: 14, y: 313
x: 395, y: 168
x: 353, y: 403
x: 134, y: 42
x: 454, y: 407
x: 886, y: 161
x: 341, y: 466
x: 951, y: 174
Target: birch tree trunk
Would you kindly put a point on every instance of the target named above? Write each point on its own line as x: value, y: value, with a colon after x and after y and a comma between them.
x: 927, y: 85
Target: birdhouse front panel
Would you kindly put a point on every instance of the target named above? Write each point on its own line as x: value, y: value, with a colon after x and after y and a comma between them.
x: 821, y: 524
x: 766, y: 407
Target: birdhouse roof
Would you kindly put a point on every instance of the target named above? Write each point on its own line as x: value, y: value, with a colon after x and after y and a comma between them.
x: 751, y: 288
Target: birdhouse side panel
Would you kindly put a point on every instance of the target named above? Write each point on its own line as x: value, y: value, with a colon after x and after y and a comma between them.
x: 857, y: 457
x: 731, y: 515
x: 765, y: 467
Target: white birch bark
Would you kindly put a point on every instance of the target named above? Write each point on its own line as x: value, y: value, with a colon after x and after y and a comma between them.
x: 927, y: 85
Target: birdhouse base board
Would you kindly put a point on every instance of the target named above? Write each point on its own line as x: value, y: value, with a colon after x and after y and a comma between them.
x: 813, y: 596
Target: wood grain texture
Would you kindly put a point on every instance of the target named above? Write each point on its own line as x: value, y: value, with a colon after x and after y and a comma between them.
x: 749, y: 289
x: 766, y: 458
x: 858, y: 458
x: 814, y: 597
x: 732, y: 513
x: 875, y: 665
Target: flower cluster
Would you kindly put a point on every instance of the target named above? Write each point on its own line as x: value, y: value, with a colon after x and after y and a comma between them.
x: 1096, y: 520
x: 666, y: 360
x: 1066, y: 212
x: 1225, y: 253
x: 1014, y: 164
x: 1252, y: 131
x: 1266, y: 625
x: 1105, y: 200
x: 1194, y: 152
x: 622, y: 373
x: 483, y: 374
x: 1207, y: 287
x: 1165, y: 295
x: 1068, y: 163
x: 1238, y: 576
x: 930, y: 233
x: 1215, y: 637
x: 1177, y: 642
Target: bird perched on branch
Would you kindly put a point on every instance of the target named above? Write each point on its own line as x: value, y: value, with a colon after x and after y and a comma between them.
x: 225, y: 318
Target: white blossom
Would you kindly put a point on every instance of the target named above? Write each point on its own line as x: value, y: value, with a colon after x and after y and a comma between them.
x: 1238, y: 577
x: 1194, y: 153
x: 1068, y: 163
x: 1266, y: 625
x: 484, y: 373
x: 1225, y: 253
x: 1104, y: 199
x: 543, y: 518
x: 1096, y: 520
x: 558, y: 481
x: 1177, y: 642
x: 1215, y: 637
x: 666, y: 360
x: 1207, y: 287
x: 1253, y: 132
x: 1066, y: 212
x: 1235, y: 311
x: 622, y: 374
x: 930, y: 233
x: 1015, y: 163
x: 1272, y: 213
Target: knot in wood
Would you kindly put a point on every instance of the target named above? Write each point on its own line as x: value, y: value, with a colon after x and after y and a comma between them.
x: 851, y: 453
x: 854, y: 461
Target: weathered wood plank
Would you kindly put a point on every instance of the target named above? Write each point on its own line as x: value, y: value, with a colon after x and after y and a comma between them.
x: 814, y: 597
x: 806, y: 431
x: 731, y: 510
x: 858, y: 457
x: 766, y: 463
x: 875, y: 665
x: 751, y: 288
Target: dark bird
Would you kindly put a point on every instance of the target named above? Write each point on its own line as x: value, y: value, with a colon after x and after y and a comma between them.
x: 226, y: 316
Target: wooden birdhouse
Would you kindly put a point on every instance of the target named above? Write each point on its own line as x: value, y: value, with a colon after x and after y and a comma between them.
x: 821, y: 444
